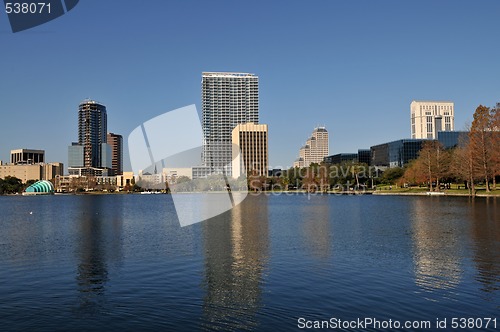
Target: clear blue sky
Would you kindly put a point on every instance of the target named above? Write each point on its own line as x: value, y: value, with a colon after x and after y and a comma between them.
x: 353, y: 66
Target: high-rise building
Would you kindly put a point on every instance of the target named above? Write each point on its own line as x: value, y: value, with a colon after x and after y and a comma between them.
x: 315, y: 149
x: 228, y: 99
x: 92, y: 141
x: 250, y: 141
x: 115, y: 141
x: 430, y: 117
x: 92, y: 128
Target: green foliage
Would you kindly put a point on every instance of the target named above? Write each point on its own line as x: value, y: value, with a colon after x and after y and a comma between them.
x: 391, y: 175
x: 11, y: 185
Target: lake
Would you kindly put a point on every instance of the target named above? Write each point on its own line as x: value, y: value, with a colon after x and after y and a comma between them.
x: 273, y: 263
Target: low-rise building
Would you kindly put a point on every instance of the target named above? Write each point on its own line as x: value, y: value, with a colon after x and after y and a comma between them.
x: 27, y: 172
x: 340, y: 158
x: 395, y: 153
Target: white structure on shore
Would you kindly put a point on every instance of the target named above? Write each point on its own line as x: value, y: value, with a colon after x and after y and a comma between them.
x: 429, y: 117
x: 315, y: 149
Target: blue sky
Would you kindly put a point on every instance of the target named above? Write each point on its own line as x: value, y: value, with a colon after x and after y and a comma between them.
x: 353, y: 66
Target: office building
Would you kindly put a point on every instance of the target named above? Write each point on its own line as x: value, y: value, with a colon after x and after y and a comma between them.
x: 27, y: 156
x: 315, y: 149
x: 124, y: 180
x: 29, y: 164
x: 250, y: 142
x: 451, y: 139
x: 228, y: 99
x: 340, y: 158
x: 91, y: 155
x: 92, y: 129
x: 115, y: 142
x: 75, y: 155
x: 26, y: 172
x: 396, y: 153
x: 430, y: 117
x: 51, y: 170
x: 364, y: 156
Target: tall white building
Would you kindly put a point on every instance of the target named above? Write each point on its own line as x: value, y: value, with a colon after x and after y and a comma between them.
x: 228, y: 99
x: 315, y: 149
x: 429, y: 117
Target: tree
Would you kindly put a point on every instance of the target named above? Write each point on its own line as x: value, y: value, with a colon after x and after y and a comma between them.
x: 310, y: 179
x: 391, y: 175
x: 463, y: 164
x: 495, y: 143
x: 480, y: 143
x: 434, y: 161
x: 10, y: 185
x: 414, y: 173
x: 182, y: 179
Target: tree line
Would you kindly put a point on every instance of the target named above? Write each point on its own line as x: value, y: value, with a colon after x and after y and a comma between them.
x: 476, y: 159
x: 13, y: 185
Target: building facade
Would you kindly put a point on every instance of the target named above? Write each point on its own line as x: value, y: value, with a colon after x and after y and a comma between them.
x: 26, y: 172
x: 250, y: 142
x: 364, y: 156
x: 92, y: 129
x: 340, y: 158
x: 397, y: 153
x: 451, y: 139
x: 115, y: 142
x: 92, y: 141
x: 228, y: 99
x: 429, y: 117
x: 315, y: 149
x: 27, y: 156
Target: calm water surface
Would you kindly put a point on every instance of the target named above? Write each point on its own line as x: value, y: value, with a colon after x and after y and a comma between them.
x: 121, y: 262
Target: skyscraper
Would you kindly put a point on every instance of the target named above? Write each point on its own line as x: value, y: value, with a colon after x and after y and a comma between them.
x: 228, y: 99
x: 315, y: 149
x: 92, y: 128
x: 429, y: 117
x: 92, y: 141
x: 115, y: 141
x: 250, y: 141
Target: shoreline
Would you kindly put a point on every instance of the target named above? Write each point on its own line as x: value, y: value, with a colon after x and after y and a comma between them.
x: 288, y: 192
x: 444, y: 193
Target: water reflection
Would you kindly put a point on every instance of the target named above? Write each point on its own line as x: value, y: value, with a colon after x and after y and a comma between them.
x: 316, y: 226
x: 100, y: 228
x: 485, y: 217
x: 236, y: 251
x: 436, y: 246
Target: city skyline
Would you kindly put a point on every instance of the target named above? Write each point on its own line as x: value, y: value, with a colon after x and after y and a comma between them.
x: 359, y: 82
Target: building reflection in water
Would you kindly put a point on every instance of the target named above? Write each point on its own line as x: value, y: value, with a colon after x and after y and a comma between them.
x: 236, y: 252
x: 100, y: 229
x: 436, y: 247
x: 485, y: 216
x: 316, y: 227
